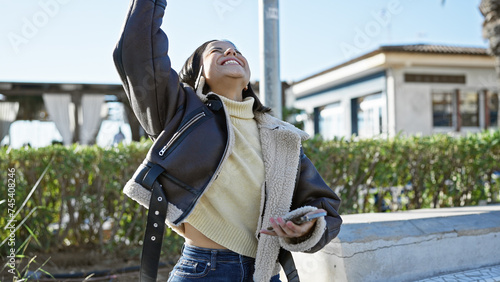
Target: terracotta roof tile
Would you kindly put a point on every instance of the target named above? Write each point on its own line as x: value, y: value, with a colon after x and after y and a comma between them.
x: 441, y: 49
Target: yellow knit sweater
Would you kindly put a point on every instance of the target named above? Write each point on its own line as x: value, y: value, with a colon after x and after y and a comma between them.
x: 228, y: 212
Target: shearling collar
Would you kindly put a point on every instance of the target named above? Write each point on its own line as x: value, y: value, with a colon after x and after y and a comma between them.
x: 268, y: 121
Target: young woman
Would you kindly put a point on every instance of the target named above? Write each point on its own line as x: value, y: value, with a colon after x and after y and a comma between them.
x: 229, y: 171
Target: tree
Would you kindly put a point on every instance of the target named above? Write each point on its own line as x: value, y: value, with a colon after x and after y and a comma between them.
x: 491, y: 28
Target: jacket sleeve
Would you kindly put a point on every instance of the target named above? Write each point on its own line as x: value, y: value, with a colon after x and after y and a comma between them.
x: 141, y: 58
x: 313, y: 193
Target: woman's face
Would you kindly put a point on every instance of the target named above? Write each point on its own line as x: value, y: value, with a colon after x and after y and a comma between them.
x: 221, y: 60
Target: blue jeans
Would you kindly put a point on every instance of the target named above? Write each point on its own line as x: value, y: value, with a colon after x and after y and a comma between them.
x: 212, y: 265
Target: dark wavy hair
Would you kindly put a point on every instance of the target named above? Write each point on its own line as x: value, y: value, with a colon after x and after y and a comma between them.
x: 191, y: 69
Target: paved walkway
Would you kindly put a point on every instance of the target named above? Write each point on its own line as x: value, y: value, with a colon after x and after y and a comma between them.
x: 485, y: 274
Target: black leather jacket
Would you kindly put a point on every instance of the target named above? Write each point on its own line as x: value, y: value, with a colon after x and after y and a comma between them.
x: 192, y: 134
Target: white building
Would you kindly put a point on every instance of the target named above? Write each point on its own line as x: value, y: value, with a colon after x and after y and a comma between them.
x: 410, y: 89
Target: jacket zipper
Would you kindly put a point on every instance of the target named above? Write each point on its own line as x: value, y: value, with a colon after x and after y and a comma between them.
x: 181, y: 131
x: 216, y: 174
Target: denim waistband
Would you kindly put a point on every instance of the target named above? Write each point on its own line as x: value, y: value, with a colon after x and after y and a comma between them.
x: 214, y: 255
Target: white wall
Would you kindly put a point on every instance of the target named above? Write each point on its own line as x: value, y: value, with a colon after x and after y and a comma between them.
x: 406, y: 246
x: 413, y: 101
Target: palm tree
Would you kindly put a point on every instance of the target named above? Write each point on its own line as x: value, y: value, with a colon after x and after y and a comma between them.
x: 491, y: 28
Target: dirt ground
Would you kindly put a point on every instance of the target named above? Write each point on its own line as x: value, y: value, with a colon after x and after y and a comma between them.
x: 78, y: 265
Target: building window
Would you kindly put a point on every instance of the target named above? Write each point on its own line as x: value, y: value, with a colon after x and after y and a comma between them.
x: 442, y: 108
x: 457, y: 109
x: 331, y: 121
x: 370, y: 115
x: 493, y: 105
x: 469, y: 109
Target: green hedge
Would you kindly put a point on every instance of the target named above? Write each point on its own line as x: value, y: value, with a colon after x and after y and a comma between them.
x: 432, y: 171
x: 81, y: 190
x: 82, y: 186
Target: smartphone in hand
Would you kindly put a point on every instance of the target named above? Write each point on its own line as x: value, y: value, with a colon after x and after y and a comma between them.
x: 305, y: 218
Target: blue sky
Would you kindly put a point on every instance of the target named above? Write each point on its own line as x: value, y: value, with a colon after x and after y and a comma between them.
x: 72, y: 40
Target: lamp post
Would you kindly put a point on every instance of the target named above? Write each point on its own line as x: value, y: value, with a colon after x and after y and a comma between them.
x: 270, y: 82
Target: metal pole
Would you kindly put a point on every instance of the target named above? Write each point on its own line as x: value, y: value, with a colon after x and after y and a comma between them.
x: 270, y: 82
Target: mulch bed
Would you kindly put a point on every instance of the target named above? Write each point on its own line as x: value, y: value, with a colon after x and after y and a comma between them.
x: 89, y: 265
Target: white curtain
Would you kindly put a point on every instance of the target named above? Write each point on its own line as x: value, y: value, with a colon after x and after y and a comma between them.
x: 62, y: 113
x: 90, y: 118
x: 8, y: 114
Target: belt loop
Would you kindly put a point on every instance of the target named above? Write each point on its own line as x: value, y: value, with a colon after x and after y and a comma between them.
x: 213, y: 260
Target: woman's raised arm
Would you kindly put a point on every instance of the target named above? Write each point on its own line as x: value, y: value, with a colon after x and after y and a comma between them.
x: 141, y: 57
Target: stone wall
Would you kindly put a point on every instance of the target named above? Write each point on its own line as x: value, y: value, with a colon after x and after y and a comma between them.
x: 406, y: 246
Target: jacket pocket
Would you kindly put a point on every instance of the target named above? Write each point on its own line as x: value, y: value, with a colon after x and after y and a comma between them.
x: 183, y: 130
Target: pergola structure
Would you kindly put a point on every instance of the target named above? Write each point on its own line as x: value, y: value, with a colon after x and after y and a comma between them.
x: 38, y: 101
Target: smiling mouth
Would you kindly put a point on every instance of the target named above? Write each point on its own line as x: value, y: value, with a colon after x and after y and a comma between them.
x: 231, y: 62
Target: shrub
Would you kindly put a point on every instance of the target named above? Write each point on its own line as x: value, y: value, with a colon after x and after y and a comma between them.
x: 79, y: 200
x: 430, y: 172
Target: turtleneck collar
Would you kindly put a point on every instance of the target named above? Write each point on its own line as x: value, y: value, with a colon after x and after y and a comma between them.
x: 242, y: 110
